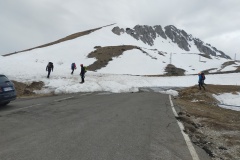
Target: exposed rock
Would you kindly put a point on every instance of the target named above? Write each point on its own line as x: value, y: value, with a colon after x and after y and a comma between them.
x: 178, y: 36
x: 174, y: 71
x: 118, y: 31
x: 158, y: 29
x: 144, y: 33
x: 222, y: 148
x: 129, y: 31
x: 202, y: 48
x: 208, y: 50
x: 148, y: 34
x: 206, y: 56
x: 223, y: 55
x: 209, y: 152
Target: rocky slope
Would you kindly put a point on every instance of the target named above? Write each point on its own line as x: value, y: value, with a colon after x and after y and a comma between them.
x: 148, y: 34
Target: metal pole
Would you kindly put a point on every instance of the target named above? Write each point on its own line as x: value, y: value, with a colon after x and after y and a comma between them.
x: 170, y: 58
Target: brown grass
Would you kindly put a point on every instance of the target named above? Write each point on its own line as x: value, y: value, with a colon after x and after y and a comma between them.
x: 105, y: 54
x: 171, y: 70
x: 27, y: 90
x: 208, y: 125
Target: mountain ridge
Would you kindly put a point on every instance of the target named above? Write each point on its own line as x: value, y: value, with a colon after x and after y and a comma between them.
x: 145, y: 50
x: 67, y: 38
x: 148, y: 34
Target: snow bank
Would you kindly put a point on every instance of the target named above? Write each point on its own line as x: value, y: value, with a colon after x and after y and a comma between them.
x: 229, y: 100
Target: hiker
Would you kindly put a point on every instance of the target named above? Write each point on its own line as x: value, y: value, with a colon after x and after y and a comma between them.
x: 82, y: 73
x: 203, y: 78
x: 200, y: 81
x: 49, y: 68
x: 73, y: 67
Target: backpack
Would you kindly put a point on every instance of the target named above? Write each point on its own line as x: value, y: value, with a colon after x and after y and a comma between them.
x: 73, y: 65
x: 85, y: 69
x: 50, y: 65
x: 203, y: 77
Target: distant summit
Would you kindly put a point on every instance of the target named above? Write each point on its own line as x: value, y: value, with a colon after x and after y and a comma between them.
x: 148, y: 34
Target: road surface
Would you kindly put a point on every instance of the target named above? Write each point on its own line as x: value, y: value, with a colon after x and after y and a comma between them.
x: 92, y: 126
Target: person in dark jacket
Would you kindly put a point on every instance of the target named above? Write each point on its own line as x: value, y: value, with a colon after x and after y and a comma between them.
x: 200, y: 81
x: 73, y: 67
x: 49, y: 68
x: 82, y: 73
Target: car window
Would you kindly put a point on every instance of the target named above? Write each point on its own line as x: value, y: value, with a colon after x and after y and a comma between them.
x: 3, y: 79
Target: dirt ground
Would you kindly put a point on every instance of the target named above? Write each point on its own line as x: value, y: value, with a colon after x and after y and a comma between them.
x: 27, y: 90
x: 104, y: 55
x: 215, y: 129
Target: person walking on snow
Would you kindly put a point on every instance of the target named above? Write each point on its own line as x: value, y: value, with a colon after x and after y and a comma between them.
x: 49, y: 68
x: 73, y: 67
x: 82, y: 73
x: 200, y: 81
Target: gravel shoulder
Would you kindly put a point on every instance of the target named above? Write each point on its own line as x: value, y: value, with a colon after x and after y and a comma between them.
x: 212, y: 128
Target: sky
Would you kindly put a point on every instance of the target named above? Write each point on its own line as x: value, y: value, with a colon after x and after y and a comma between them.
x: 29, y: 23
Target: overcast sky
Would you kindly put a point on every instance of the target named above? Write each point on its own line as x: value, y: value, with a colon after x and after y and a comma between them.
x: 28, y: 23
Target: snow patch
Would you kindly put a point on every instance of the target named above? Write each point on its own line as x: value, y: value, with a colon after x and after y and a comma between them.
x: 229, y: 100
x: 170, y: 92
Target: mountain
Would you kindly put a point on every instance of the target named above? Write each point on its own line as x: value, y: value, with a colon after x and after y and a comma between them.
x: 142, y: 50
x: 148, y: 35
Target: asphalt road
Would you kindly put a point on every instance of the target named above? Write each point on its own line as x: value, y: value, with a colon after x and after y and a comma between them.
x: 94, y: 126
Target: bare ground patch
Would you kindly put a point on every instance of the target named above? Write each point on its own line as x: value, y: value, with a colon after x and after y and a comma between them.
x: 227, y: 64
x: 171, y: 70
x: 27, y: 90
x: 105, y: 54
x: 214, y: 129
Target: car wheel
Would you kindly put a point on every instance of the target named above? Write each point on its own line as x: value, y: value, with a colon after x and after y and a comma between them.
x: 4, y: 104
